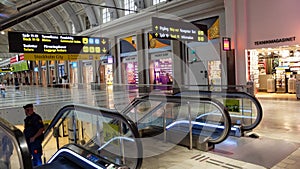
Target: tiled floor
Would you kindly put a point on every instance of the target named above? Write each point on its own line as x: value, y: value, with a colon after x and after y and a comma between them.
x: 277, y: 147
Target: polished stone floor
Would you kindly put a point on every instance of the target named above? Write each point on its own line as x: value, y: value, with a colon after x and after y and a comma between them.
x: 277, y: 146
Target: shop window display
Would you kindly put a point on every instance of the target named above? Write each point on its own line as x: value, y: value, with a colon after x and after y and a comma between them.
x: 163, y: 73
x: 132, y: 74
x: 280, y: 64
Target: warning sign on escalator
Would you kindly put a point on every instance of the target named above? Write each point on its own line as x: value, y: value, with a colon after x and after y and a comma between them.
x: 233, y: 105
x: 110, y: 131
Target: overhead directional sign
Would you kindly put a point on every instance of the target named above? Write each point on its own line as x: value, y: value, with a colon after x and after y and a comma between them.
x: 56, y: 44
x: 182, y: 31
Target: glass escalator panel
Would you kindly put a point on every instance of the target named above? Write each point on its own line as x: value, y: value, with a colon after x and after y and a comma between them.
x: 172, y: 118
x: 103, y: 132
x: 13, y: 148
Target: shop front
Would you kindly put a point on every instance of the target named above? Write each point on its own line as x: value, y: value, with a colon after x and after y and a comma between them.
x: 161, y: 70
x: 275, y: 69
x: 130, y: 73
x: 106, y: 70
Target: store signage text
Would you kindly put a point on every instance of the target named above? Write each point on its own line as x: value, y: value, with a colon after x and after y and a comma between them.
x: 280, y: 40
x: 129, y: 59
x: 183, y: 31
x: 50, y: 43
x: 157, y: 56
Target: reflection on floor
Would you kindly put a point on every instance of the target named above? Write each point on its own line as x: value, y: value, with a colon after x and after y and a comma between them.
x: 263, y: 151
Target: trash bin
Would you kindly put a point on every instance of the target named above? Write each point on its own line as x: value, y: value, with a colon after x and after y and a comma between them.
x: 271, y: 85
x: 298, y: 89
x: 250, y: 87
x: 292, y: 85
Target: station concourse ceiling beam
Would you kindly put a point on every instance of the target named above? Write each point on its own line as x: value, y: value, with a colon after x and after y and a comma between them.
x: 29, y: 12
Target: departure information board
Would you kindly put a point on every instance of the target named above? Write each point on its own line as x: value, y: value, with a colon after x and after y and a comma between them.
x: 56, y: 44
x: 182, y: 31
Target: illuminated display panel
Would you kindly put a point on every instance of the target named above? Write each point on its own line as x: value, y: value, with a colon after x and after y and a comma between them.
x: 56, y: 44
x: 226, y: 44
x: 183, y: 31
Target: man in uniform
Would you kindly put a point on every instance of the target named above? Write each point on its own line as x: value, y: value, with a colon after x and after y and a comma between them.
x: 33, y: 131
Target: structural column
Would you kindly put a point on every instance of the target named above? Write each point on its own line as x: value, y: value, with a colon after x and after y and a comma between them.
x: 47, y: 73
x: 140, y: 46
x: 40, y: 73
x: 178, y: 64
x: 79, y: 74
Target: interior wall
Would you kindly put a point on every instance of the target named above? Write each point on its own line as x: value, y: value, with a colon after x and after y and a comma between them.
x: 272, y: 19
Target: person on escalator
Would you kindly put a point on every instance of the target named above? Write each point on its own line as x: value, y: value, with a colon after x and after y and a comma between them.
x: 33, y: 131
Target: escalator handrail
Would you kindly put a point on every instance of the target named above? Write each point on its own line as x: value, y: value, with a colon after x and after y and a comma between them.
x: 233, y: 94
x: 19, y: 140
x: 104, y: 112
x: 184, y: 99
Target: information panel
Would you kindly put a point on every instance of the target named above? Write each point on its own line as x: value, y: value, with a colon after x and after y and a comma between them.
x: 56, y: 44
x: 183, y: 31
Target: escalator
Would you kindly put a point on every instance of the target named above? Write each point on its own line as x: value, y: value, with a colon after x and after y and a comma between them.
x: 179, y: 120
x: 244, y: 109
x: 79, y: 137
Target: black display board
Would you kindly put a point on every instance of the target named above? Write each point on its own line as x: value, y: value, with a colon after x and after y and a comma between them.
x: 182, y: 31
x: 20, y: 42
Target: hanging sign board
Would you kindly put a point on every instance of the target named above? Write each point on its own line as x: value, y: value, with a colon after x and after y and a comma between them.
x: 20, y: 42
x: 182, y: 31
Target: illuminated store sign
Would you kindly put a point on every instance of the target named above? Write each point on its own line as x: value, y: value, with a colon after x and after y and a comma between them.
x: 226, y: 44
x: 56, y: 44
x: 183, y: 31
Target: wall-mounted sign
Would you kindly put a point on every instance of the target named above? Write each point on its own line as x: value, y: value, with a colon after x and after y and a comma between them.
x: 106, y: 59
x: 226, y: 44
x: 183, y: 31
x: 50, y: 43
x: 279, y: 40
x: 129, y: 59
x: 161, y: 55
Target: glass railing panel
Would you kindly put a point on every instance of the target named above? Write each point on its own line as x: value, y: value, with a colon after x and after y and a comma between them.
x: 244, y: 109
x: 142, y: 109
x: 205, y: 119
x: 13, y: 148
x: 101, y: 131
x: 160, y: 114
